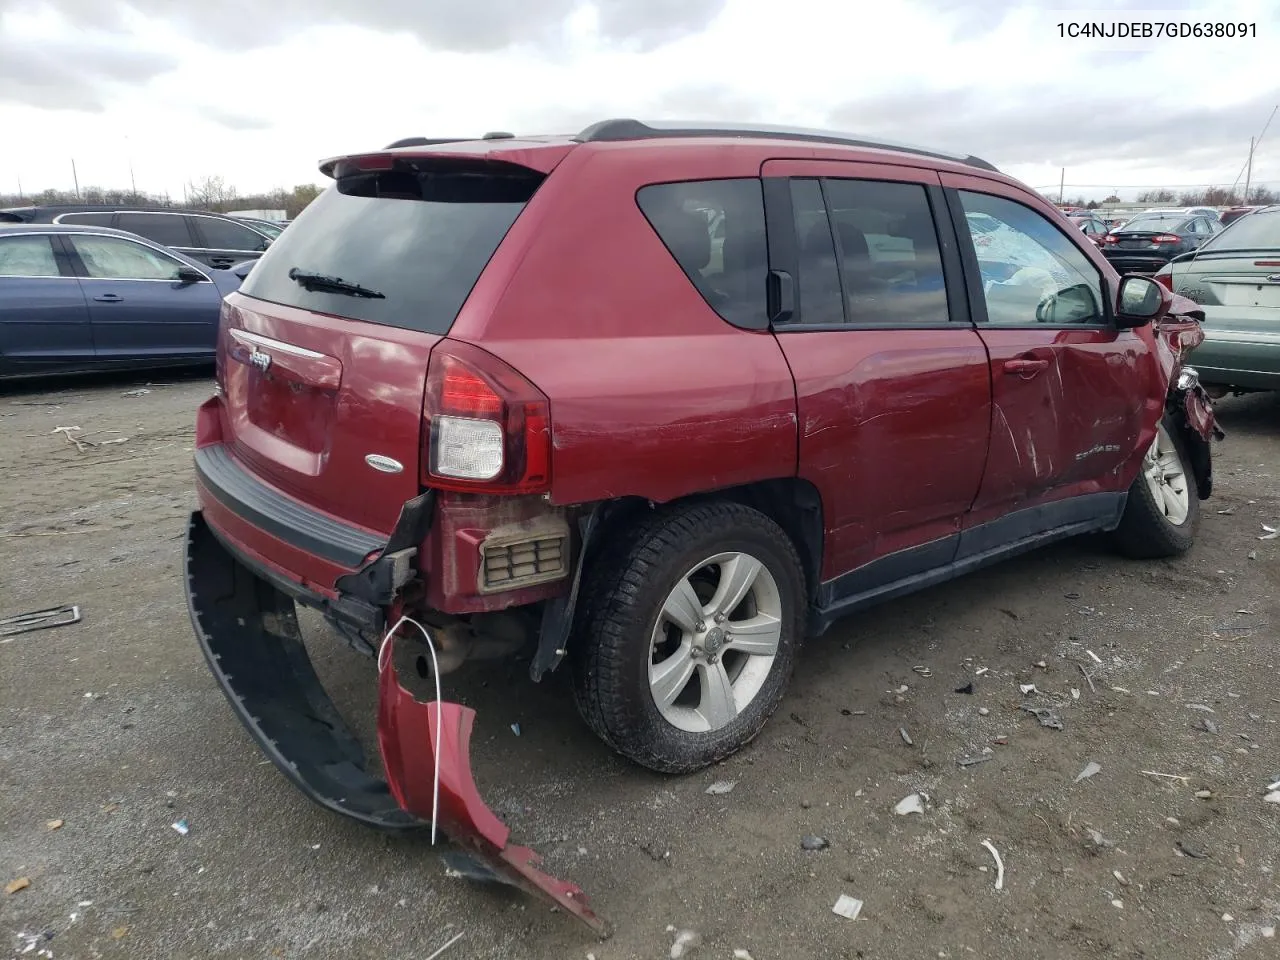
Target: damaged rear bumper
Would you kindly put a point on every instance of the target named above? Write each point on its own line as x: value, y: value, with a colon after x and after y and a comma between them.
x: 248, y: 631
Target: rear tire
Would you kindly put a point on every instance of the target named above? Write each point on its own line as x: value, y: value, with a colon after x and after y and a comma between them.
x: 1162, y: 513
x: 688, y: 635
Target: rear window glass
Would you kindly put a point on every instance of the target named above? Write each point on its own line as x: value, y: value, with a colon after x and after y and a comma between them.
x: 715, y: 230
x: 87, y: 219
x: 1257, y: 231
x: 1146, y: 224
x: 420, y: 238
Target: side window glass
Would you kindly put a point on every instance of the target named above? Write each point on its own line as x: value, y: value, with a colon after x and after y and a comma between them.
x: 715, y: 230
x: 169, y: 229
x: 821, y: 300
x: 87, y: 219
x: 112, y: 258
x: 27, y: 257
x: 225, y: 235
x: 887, y: 248
x: 1031, y: 272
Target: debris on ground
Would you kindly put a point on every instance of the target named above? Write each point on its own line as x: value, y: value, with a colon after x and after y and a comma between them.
x: 742, y: 955
x: 983, y: 712
x: 119, y: 933
x: 812, y: 842
x: 1091, y: 769
x: 1208, y: 726
x: 515, y: 728
x: 1046, y: 716
x: 54, y: 824
x: 1195, y: 853
x: 1042, y: 665
x: 1093, y: 656
x: 906, y: 737
x: 80, y: 444
x: 999, y: 863
x: 971, y: 761
x: 1201, y: 707
x: 686, y: 940
x: 1027, y: 688
x: 140, y: 392
x: 847, y: 907
x: 1120, y: 878
x: 1272, y: 797
x: 721, y: 787
x: 39, y: 620
x: 182, y: 827
x: 450, y: 943
x: 966, y: 689
x: 1166, y: 776
x: 1269, y: 533
x: 1098, y: 839
x: 13, y: 886
x: 1204, y: 794
x: 922, y: 670
x: 911, y: 804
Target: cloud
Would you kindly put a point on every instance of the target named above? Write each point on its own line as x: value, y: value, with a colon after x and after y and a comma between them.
x: 70, y: 74
x: 1042, y: 126
x: 233, y: 120
x: 455, y: 25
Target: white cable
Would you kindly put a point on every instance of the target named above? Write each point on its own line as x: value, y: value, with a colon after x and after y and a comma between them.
x: 435, y: 670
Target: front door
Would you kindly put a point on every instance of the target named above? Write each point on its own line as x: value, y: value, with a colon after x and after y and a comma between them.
x: 892, y: 386
x: 44, y: 322
x: 1070, y: 392
x: 138, y: 305
x: 224, y: 243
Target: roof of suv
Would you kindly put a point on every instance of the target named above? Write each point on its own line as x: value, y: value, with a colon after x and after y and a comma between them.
x: 21, y: 214
x: 629, y: 130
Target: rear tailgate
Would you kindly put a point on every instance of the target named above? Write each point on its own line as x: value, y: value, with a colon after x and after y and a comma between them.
x: 334, y: 393
x: 323, y: 352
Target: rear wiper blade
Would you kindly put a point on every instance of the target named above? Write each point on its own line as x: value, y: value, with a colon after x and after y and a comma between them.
x: 319, y: 281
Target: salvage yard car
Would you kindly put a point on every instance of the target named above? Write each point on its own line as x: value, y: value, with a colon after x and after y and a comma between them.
x: 80, y: 299
x: 1150, y: 240
x: 1235, y: 279
x: 556, y: 414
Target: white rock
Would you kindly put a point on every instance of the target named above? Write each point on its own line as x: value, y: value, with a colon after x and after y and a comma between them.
x: 908, y: 805
x: 847, y: 907
x: 686, y: 940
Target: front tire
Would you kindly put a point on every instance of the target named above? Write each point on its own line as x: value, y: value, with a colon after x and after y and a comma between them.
x: 689, y: 635
x: 1162, y: 513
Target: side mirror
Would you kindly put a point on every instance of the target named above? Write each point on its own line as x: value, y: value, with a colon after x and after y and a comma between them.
x: 190, y: 275
x: 1141, y: 300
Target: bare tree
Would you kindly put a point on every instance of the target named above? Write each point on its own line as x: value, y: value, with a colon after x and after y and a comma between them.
x: 1156, y: 196
x: 211, y: 193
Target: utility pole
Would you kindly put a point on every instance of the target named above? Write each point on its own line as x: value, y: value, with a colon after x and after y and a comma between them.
x: 19, y: 189
x: 1062, y: 184
x: 75, y: 177
x: 1248, y: 171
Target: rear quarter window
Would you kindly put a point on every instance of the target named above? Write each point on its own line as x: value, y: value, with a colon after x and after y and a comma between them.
x: 715, y: 230
x: 419, y: 237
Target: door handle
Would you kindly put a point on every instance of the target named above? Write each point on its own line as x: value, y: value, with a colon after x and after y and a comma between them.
x: 109, y: 298
x: 1025, y: 367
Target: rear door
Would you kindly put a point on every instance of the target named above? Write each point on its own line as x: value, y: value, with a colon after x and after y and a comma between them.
x: 1070, y: 391
x: 44, y: 322
x: 316, y: 379
x: 224, y: 243
x: 137, y: 304
x: 892, y: 384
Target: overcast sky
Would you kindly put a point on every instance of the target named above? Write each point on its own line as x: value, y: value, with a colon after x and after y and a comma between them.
x: 260, y: 90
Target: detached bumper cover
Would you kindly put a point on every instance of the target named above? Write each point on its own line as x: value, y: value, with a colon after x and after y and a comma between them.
x: 248, y: 631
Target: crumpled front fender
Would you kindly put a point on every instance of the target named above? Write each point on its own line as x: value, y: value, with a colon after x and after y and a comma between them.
x: 409, y: 732
x: 1192, y: 411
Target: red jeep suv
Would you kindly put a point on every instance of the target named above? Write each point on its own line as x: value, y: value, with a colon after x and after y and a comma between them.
x: 659, y: 401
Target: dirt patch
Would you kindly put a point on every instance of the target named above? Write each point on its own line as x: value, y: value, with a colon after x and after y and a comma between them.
x: 115, y: 726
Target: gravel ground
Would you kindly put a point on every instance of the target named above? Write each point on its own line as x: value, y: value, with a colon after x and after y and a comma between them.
x: 115, y: 727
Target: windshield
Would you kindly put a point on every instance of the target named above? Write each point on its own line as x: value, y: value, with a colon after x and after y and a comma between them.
x: 1145, y: 223
x: 1257, y: 231
x: 421, y: 239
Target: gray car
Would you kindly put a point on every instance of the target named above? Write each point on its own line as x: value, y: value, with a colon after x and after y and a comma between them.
x: 78, y: 299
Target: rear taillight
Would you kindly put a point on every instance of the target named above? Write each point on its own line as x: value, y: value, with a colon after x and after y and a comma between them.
x: 487, y: 428
x: 1166, y: 238
x: 219, y: 358
x: 1110, y: 238
x: 1165, y: 280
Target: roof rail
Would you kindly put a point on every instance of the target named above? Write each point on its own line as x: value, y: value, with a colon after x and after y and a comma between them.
x: 608, y: 131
